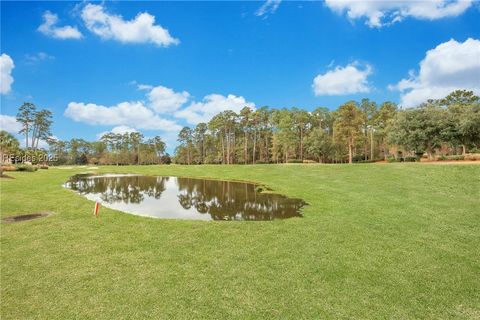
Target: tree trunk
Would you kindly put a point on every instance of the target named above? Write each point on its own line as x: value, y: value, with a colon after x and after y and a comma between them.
x: 365, y: 149
x: 232, y: 148
x: 266, y: 149
x: 223, y: 150
x: 301, y: 144
x: 371, y: 145
x: 384, y: 147
x: 38, y: 139
x: 34, y: 133
x: 464, y: 149
x: 26, y: 136
x: 350, y: 152
x: 230, y: 140
x: 228, y: 146
x: 245, y: 150
x: 430, y: 156
x: 254, y: 145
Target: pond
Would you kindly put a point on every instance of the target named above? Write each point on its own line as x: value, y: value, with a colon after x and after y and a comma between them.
x: 185, y: 198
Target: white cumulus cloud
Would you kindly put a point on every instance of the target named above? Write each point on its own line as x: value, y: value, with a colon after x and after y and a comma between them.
x: 450, y: 66
x: 350, y: 79
x: 155, y: 112
x: 165, y: 100
x: 379, y: 13
x: 141, y: 29
x: 117, y: 130
x: 123, y: 129
x: 49, y: 28
x: 6, y: 79
x: 134, y: 114
x: 38, y: 57
x: 268, y: 7
x: 9, y: 124
x: 211, y: 105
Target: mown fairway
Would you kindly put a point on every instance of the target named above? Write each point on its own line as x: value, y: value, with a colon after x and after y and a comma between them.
x: 377, y: 241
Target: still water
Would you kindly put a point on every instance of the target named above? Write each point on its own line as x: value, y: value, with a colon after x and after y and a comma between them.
x: 185, y: 198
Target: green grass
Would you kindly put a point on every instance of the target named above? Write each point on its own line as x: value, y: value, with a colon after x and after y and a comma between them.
x: 377, y: 241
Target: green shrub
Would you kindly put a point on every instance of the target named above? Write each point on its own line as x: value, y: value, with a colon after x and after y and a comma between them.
x: 294, y: 161
x: 419, y: 155
x: 451, y: 158
x: 26, y: 167
x: 358, y: 158
x: 472, y: 156
x: 392, y: 159
x: 259, y: 189
x: 309, y: 161
x: 455, y: 157
x: 410, y: 159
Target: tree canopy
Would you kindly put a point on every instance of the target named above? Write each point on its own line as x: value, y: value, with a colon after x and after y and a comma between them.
x: 362, y: 131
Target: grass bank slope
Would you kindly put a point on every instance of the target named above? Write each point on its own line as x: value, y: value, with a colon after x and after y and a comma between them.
x: 377, y: 241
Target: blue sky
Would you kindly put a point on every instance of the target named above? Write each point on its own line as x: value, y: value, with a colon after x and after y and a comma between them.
x: 100, y: 66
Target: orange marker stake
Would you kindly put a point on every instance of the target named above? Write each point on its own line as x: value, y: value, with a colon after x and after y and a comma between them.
x: 96, y: 210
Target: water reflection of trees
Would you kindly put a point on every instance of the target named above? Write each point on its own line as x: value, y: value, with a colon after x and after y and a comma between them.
x: 126, y: 189
x: 225, y: 200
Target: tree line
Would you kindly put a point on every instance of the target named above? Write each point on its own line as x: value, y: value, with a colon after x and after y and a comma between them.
x: 364, y: 131
x: 117, y: 149
x: 355, y: 132
x: 112, y: 148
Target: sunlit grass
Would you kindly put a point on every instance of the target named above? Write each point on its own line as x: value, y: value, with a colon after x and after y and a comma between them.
x: 376, y: 241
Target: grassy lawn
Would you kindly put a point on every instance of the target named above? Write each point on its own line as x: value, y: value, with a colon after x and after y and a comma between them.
x: 377, y: 241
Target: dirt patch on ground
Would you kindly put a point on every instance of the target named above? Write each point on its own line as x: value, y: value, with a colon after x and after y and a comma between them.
x: 26, y: 217
x: 4, y: 176
x: 436, y: 162
x: 451, y: 162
